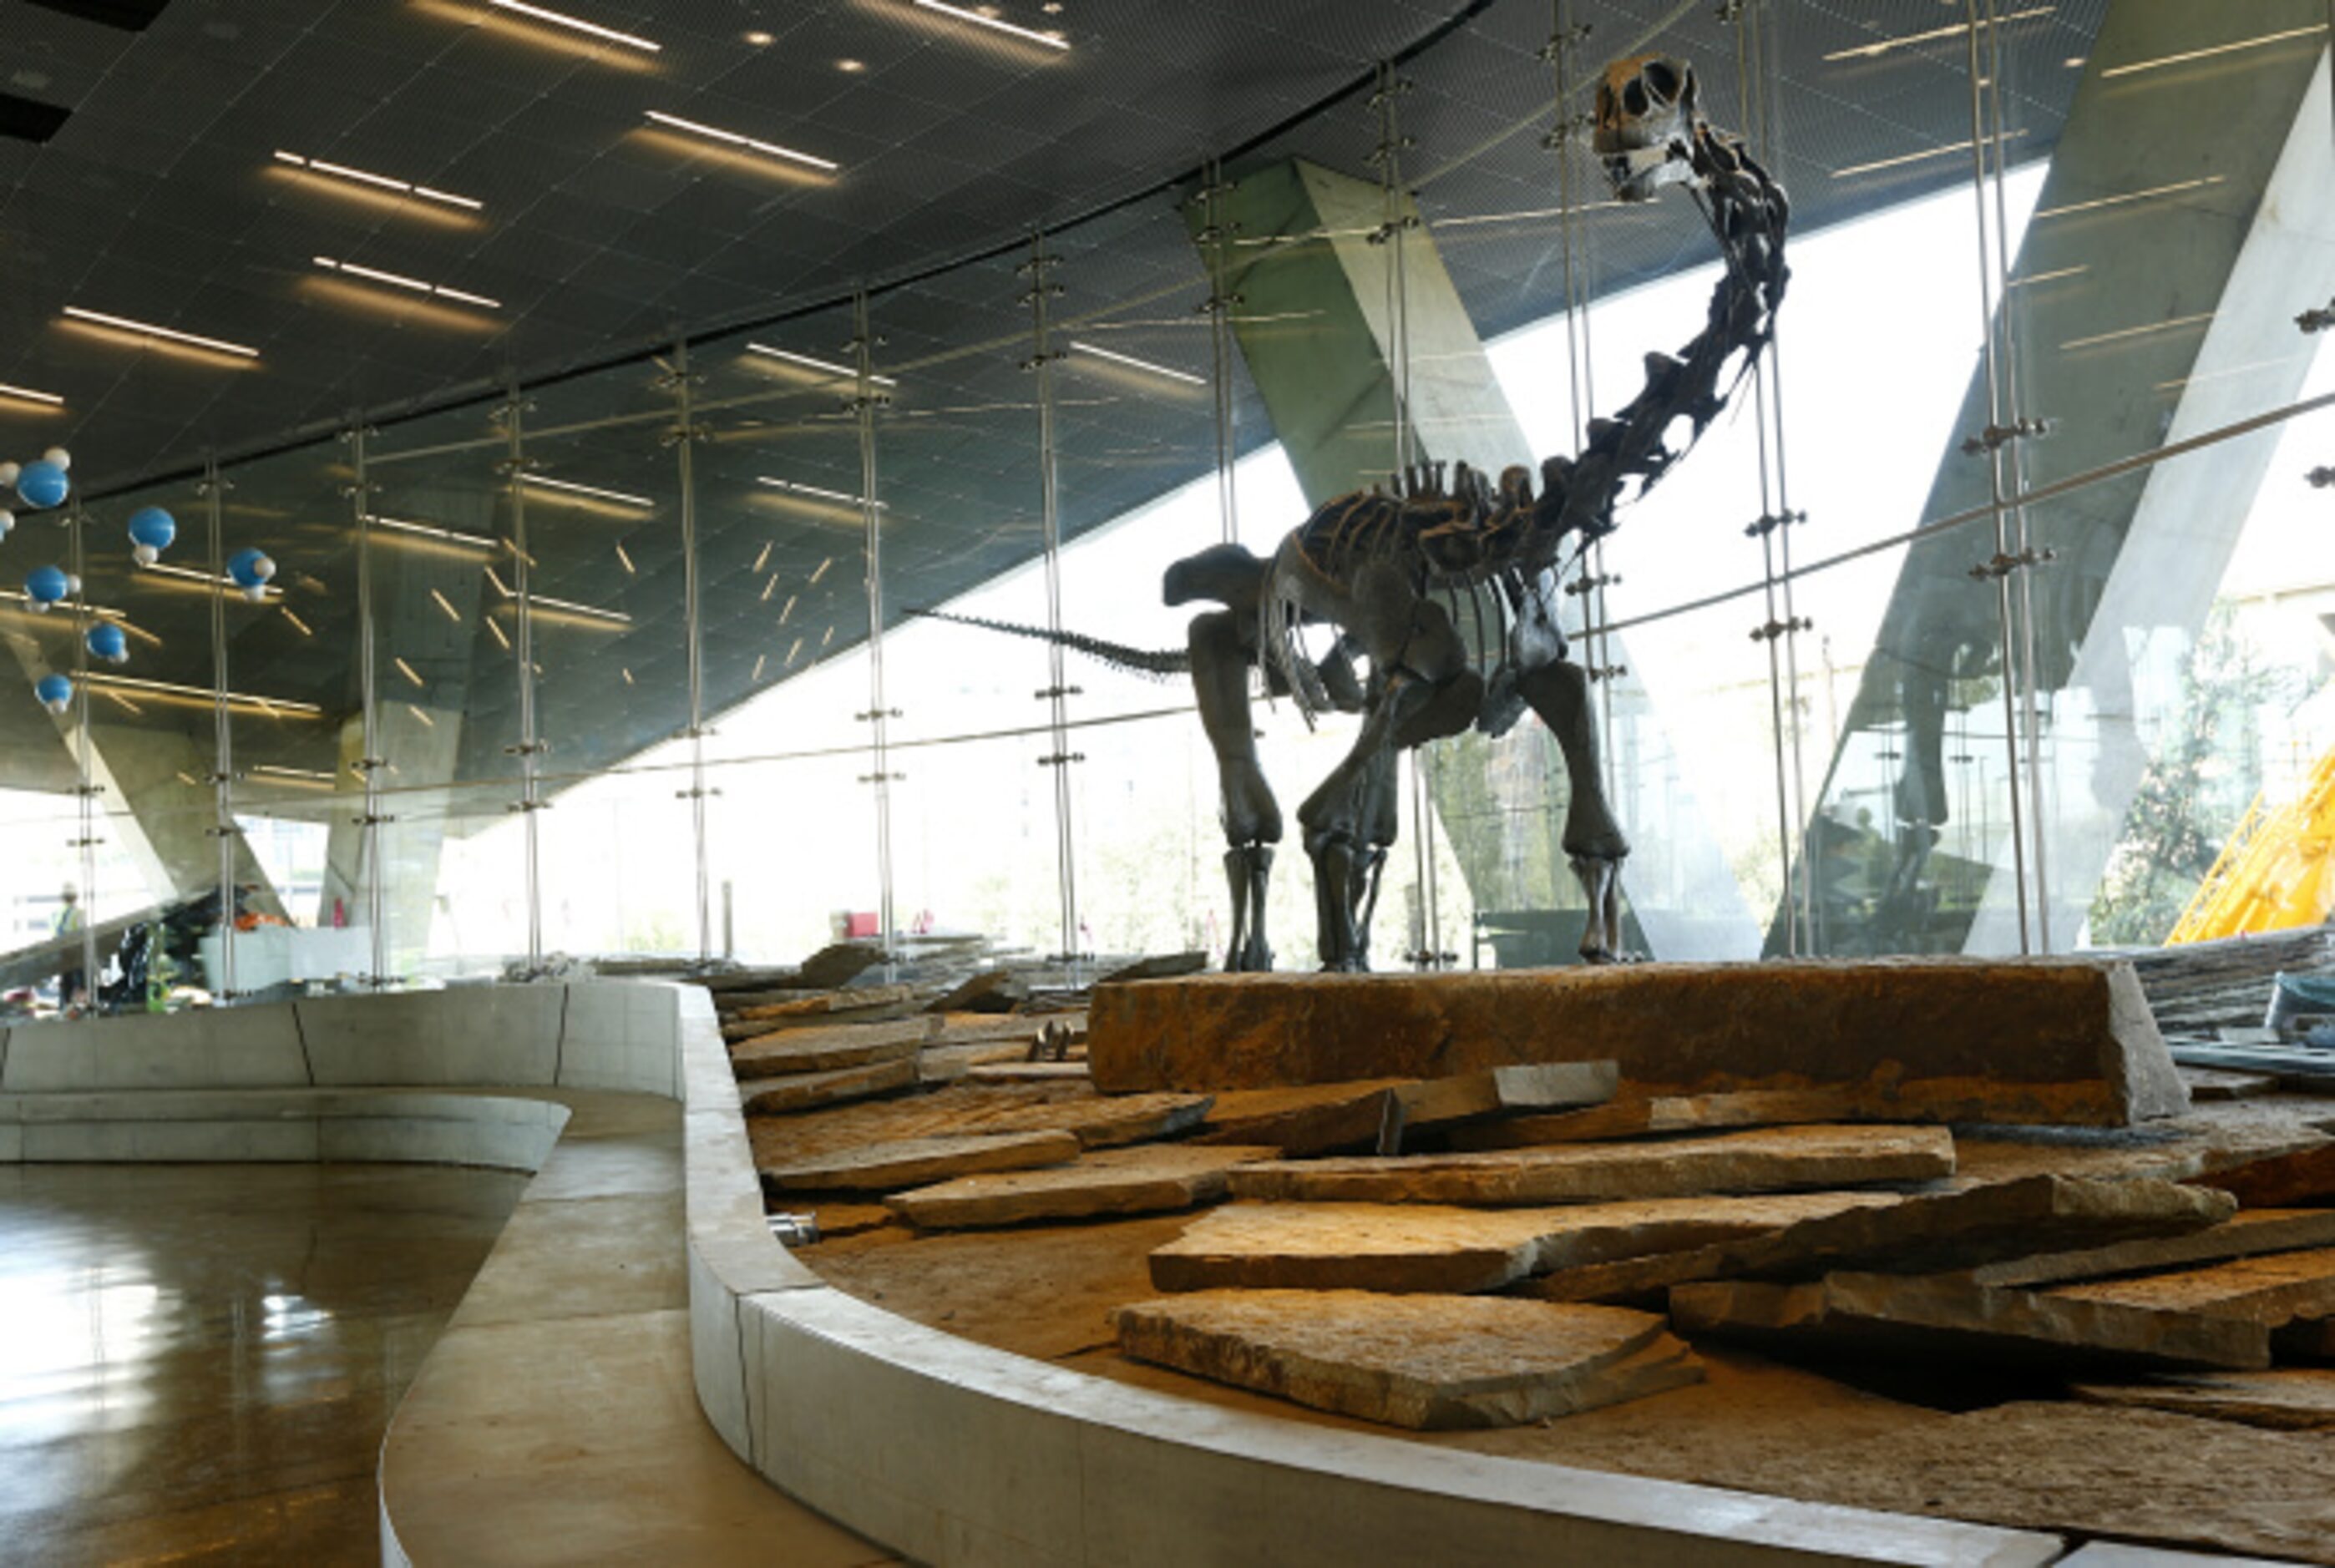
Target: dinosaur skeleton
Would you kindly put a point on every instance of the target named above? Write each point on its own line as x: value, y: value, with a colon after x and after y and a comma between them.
x: 1447, y: 589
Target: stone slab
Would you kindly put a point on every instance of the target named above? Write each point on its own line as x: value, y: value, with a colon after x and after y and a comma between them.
x: 976, y: 1028
x: 2288, y: 1399
x: 820, y: 1006
x: 917, y: 1162
x: 1316, y: 1119
x: 811, y: 1090
x: 2281, y: 1181
x: 1948, y: 1040
x: 1428, y: 1247
x: 1132, y: 1181
x: 1424, y: 1362
x: 2247, y: 1233
x: 2209, y: 1083
x: 1923, y: 1233
x: 2272, y: 1290
x: 825, y: 1050
x: 1029, y: 1072
x: 1943, y: 1314
x: 1781, y: 1159
x: 1660, y: 1115
x: 1104, y: 1120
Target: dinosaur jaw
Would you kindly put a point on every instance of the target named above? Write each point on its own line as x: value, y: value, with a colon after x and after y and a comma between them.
x: 1648, y: 115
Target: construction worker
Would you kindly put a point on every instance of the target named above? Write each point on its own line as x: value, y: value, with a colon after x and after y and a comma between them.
x: 67, y: 922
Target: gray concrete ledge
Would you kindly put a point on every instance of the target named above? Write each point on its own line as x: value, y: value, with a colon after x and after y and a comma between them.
x: 943, y: 1450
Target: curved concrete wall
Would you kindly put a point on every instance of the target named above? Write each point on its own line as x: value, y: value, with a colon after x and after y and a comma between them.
x: 943, y: 1450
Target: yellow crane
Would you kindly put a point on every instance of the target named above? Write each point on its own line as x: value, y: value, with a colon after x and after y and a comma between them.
x: 2277, y: 871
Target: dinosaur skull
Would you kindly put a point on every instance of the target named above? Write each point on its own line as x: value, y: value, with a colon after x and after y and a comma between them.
x: 1647, y: 111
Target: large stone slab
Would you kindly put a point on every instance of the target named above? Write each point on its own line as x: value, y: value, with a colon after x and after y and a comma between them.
x: 1425, y: 1362
x: 825, y: 1050
x: 820, y: 1006
x: 1377, y: 1116
x: 811, y: 1090
x: 1432, y: 1247
x: 2033, y: 1040
x: 1781, y: 1159
x: 2288, y: 1399
x: 1663, y: 1115
x: 1132, y: 1181
x: 2247, y: 1233
x: 1924, y: 1233
x: 2305, y: 1176
x: 915, y: 1162
x: 2272, y: 1290
x: 1943, y: 1314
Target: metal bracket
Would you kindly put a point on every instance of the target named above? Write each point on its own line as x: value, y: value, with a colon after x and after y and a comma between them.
x: 882, y: 777
x: 84, y: 843
x: 1393, y: 226
x: 368, y: 764
x: 1775, y: 629
x: 527, y: 748
x: 1727, y: 12
x: 873, y: 713
x: 872, y: 401
x: 372, y: 821
x: 2321, y: 479
x: 2318, y: 319
x: 700, y: 794
x: 1571, y: 37
x: 680, y: 433
x: 1037, y: 360
x: 1216, y: 302
x: 88, y: 789
x: 1560, y: 134
x: 352, y: 491
x: 1589, y: 583
x: 1995, y: 436
x: 1769, y: 523
x: 1605, y: 672
x: 222, y: 832
x: 1051, y: 692
x: 795, y: 1230
x: 2002, y: 565
x: 1399, y: 87
x: 1422, y: 959
x: 526, y: 806
x: 1062, y: 758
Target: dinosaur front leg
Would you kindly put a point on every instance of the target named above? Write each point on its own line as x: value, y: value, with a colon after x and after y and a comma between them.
x: 1593, y: 841
x: 1346, y: 817
x: 1252, y: 818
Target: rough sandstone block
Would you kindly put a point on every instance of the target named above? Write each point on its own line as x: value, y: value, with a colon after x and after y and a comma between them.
x: 825, y: 1050
x: 2247, y: 1233
x: 1430, y: 1247
x: 2292, y: 1400
x: 1931, y: 1232
x: 1378, y: 1115
x: 1426, y: 1362
x: 810, y: 1091
x: 1939, y: 1040
x: 2273, y: 1290
x: 1132, y: 1181
x: 1780, y: 1159
x: 1944, y: 1314
x: 917, y: 1162
x: 2305, y: 1176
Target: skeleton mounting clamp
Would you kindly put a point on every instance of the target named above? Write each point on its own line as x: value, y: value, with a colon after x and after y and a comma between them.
x: 2002, y: 565
x: 1062, y: 758
x: 1775, y: 629
x: 873, y: 714
x: 1051, y: 692
x: 2318, y: 319
x: 2322, y: 478
x: 1605, y: 672
x: 1995, y: 436
x: 1589, y: 582
x: 1727, y: 12
x: 882, y: 777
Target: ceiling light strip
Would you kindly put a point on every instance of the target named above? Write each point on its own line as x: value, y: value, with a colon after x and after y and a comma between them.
x: 429, y: 531
x: 824, y: 165
x: 816, y: 492
x: 1899, y: 162
x: 127, y: 324
x: 2185, y: 56
x: 2132, y: 332
x: 381, y: 181
x: 1936, y: 34
x: 804, y: 360
x: 558, y: 19
x: 1142, y: 365
x: 539, y: 481
x: 399, y: 280
x: 2151, y: 194
x: 2050, y: 277
x: 50, y: 399
x: 1029, y: 34
x: 171, y: 688
x: 208, y: 581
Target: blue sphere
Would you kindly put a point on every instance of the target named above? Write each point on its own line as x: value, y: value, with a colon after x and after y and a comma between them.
x: 107, y: 642
x: 250, y: 568
x: 47, y: 586
x: 152, y: 531
x: 55, y: 693
x: 43, y: 484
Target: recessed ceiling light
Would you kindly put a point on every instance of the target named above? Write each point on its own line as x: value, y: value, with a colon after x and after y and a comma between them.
x: 1142, y: 365
x: 824, y: 165
x: 125, y: 324
x: 762, y: 40
x: 429, y: 531
x: 379, y: 181
x: 2188, y: 54
x: 541, y: 14
x: 851, y: 67
x: 2125, y: 199
x: 1936, y: 34
x: 814, y: 491
x: 207, y: 695
x: 572, y: 487
x: 963, y: 14
x: 51, y: 399
x: 1900, y: 162
x: 398, y: 280
x: 791, y: 357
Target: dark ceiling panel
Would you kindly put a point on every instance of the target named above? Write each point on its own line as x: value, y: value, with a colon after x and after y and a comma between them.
x: 25, y: 119
x: 131, y: 16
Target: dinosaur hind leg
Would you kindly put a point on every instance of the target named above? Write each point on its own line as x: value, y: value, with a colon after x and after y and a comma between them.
x: 1252, y: 818
x: 1594, y: 842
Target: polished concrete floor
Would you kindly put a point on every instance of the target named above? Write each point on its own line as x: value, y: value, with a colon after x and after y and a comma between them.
x: 198, y: 1362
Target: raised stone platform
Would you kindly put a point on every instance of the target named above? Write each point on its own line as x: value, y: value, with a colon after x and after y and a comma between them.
x: 2041, y: 1041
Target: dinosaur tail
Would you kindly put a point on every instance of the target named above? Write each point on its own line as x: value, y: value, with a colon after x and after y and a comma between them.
x: 1159, y: 664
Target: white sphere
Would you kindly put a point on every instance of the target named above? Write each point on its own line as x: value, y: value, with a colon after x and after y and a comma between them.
x: 8, y: 473
x: 40, y: 606
x: 73, y: 583
x: 256, y: 592
x: 59, y: 456
x: 145, y: 554
x: 7, y: 521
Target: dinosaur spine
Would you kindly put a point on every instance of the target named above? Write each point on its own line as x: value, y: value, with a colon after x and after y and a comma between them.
x: 1159, y: 664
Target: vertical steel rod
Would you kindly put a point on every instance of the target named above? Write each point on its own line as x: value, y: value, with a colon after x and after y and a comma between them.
x: 1216, y: 231
x: 223, y: 827
x: 1995, y: 477
x: 865, y: 400
x: 685, y: 437
x: 370, y: 762
x: 86, y: 787
x: 1041, y: 360
x: 530, y: 745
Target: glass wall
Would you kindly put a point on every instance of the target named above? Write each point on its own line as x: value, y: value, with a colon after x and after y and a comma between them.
x: 1979, y: 611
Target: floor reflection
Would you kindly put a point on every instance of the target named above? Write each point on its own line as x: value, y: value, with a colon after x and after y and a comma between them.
x: 197, y: 1363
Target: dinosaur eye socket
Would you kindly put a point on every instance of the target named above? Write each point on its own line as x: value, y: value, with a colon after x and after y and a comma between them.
x: 1662, y: 80
x: 1633, y: 98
